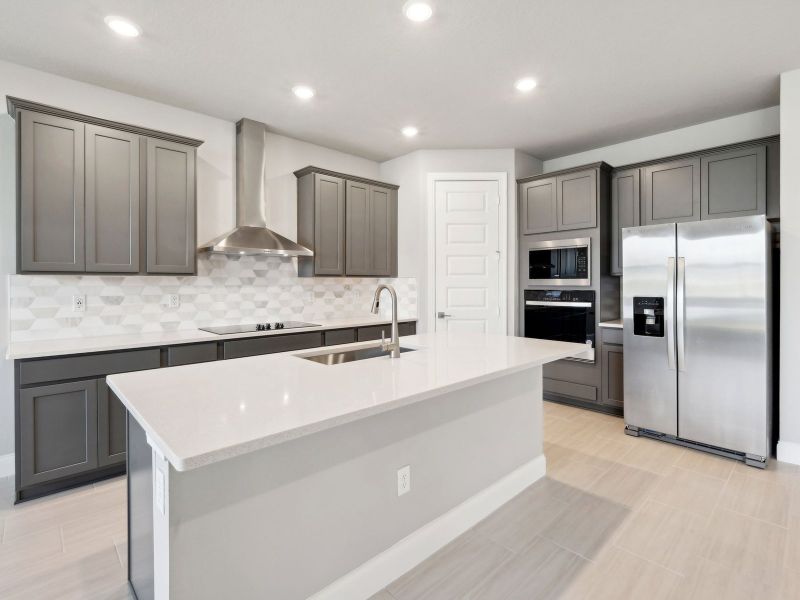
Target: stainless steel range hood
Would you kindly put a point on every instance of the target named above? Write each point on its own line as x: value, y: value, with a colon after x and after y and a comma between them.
x: 251, y: 235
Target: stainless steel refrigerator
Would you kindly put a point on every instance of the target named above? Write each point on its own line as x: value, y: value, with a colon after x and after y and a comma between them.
x: 696, y: 323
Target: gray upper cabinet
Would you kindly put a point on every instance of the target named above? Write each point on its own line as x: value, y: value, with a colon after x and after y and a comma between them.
x: 58, y: 431
x: 383, y: 231
x: 538, y: 206
x: 112, y: 200
x: 349, y: 222
x: 87, y: 186
x: 111, y: 420
x: 624, y: 211
x: 357, y: 227
x: 577, y: 200
x: 371, y: 227
x: 51, y: 193
x: 734, y: 183
x: 671, y: 192
x: 171, y: 230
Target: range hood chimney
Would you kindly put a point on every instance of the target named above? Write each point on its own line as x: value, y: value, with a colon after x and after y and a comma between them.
x: 251, y: 234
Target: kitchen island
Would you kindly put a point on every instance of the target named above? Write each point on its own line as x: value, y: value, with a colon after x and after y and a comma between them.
x: 279, y: 477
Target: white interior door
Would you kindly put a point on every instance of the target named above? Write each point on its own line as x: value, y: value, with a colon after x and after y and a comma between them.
x: 468, y: 256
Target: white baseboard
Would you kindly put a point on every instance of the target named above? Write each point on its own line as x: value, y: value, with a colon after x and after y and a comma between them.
x: 6, y: 465
x: 380, y: 571
x: 789, y: 452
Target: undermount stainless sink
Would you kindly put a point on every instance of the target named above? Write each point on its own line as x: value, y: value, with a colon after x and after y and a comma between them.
x: 346, y: 356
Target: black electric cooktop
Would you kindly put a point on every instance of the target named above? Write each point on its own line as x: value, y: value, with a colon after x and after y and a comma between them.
x: 267, y: 326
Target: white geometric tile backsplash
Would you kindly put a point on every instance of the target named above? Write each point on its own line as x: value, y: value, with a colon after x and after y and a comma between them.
x: 227, y: 290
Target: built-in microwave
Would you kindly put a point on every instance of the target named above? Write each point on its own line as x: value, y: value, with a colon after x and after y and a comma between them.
x: 560, y: 262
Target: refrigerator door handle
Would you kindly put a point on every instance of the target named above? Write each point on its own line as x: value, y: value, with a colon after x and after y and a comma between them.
x: 681, y: 313
x: 670, y: 312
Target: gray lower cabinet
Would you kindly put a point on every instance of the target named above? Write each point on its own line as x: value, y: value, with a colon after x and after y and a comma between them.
x: 111, y: 417
x: 576, y: 200
x: 624, y: 211
x: 191, y: 354
x: 51, y: 193
x: 734, y: 183
x: 171, y: 229
x: 112, y: 200
x: 613, y: 394
x: 538, y: 206
x: 58, y: 431
x: 671, y: 192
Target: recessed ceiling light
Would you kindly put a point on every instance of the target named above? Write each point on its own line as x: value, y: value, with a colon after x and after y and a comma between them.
x: 526, y: 84
x: 122, y: 26
x: 410, y: 131
x: 303, y: 92
x: 417, y: 11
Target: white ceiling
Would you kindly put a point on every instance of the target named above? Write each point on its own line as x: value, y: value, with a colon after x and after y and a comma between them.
x: 607, y: 71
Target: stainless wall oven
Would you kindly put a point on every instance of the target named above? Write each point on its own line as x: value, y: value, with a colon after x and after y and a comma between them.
x: 560, y: 262
x: 562, y: 315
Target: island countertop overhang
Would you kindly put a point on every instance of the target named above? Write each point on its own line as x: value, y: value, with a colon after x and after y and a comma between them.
x: 196, y: 415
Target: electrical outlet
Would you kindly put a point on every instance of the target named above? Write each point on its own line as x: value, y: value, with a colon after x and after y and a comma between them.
x: 403, y: 480
x: 173, y: 301
x: 78, y: 304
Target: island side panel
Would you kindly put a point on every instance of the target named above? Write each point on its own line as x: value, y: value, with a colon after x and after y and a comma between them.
x: 287, y: 521
x: 140, y: 511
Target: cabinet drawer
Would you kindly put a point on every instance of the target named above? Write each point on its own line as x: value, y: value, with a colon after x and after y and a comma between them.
x: 272, y: 344
x: 373, y: 332
x: 340, y: 336
x: 571, y: 390
x: 87, y: 365
x: 408, y: 328
x: 191, y: 354
x: 610, y: 335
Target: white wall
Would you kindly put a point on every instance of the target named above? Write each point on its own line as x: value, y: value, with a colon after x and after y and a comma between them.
x: 789, y: 444
x: 738, y: 128
x: 215, y: 175
x: 411, y: 171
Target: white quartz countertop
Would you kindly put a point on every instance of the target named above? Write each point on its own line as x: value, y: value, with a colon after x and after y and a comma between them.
x: 196, y: 415
x: 615, y: 324
x: 62, y: 347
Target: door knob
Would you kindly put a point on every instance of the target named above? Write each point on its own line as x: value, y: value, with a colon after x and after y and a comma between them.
x: 442, y: 315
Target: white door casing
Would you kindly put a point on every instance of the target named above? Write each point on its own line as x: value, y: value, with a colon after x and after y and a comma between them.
x: 469, y: 274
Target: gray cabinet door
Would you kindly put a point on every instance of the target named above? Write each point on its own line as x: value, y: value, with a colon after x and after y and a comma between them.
x: 58, y: 431
x: 538, y: 206
x: 357, y: 228
x: 734, y: 183
x: 576, y: 200
x: 51, y: 193
x: 171, y: 232
x: 111, y: 418
x: 329, y: 225
x: 671, y: 192
x: 382, y: 246
x: 112, y: 200
x: 613, y: 376
x: 624, y: 211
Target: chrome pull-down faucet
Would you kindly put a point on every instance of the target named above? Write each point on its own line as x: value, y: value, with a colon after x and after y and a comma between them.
x: 393, y: 344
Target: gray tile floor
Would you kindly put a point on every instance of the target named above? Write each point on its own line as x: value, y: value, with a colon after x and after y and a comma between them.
x: 615, y: 518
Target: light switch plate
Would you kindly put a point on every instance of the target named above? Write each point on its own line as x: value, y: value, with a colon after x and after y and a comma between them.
x: 403, y: 480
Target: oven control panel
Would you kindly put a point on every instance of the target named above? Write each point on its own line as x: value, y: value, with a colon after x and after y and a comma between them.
x: 560, y: 295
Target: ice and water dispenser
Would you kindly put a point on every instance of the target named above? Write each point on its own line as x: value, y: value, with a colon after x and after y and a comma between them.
x: 648, y: 316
